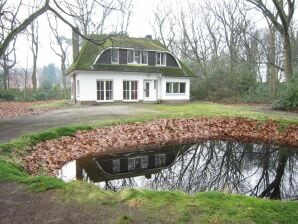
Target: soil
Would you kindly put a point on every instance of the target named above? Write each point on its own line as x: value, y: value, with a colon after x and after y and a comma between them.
x: 18, y: 205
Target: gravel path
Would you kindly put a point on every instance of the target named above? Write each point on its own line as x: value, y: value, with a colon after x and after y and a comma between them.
x: 14, y: 127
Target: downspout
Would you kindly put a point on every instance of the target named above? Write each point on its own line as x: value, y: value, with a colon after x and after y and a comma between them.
x: 74, y: 88
x: 159, y: 89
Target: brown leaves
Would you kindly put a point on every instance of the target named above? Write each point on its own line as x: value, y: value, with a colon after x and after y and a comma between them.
x: 17, y: 109
x: 51, y: 155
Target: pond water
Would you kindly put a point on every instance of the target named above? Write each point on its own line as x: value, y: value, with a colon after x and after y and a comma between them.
x: 252, y: 169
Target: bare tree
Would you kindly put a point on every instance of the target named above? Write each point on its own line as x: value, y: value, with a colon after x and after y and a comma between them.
x: 164, y: 26
x: 34, y: 47
x: 62, y: 43
x: 7, y: 23
x: 282, y: 22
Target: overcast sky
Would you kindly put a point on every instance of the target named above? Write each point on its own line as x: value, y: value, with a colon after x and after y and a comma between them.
x: 139, y: 26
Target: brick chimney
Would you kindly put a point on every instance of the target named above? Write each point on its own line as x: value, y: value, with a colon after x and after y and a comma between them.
x: 75, y: 44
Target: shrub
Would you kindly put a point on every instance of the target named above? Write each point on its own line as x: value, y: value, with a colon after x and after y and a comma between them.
x: 287, y: 98
x: 55, y: 92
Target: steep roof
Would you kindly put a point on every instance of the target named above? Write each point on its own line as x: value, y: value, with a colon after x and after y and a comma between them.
x: 90, y: 51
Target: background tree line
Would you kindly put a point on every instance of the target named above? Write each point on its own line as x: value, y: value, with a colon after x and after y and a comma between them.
x: 234, y: 57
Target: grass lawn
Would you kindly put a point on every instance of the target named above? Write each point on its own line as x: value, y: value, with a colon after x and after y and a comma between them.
x: 223, y: 110
x: 160, y: 206
x: 156, y: 207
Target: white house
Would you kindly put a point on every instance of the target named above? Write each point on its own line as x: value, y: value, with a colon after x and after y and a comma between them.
x: 128, y: 69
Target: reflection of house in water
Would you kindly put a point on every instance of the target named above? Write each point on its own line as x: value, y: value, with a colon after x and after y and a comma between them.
x: 139, y: 163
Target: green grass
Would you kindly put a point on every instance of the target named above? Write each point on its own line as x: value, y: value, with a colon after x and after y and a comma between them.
x: 51, y: 104
x: 201, y: 109
x: 15, y: 173
x: 178, y: 207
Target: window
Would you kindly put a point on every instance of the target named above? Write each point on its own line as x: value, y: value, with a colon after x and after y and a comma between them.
x: 161, y: 59
x: 130, y: 54
x: 78, y: 88
x: 130, y: 90
x: 176, y: 87
x: 137, y: 163
x: 115, y: 56
x: 104, y: 90
x: 116, y: 165
x: 145, y: 57
x: 137, y: 57
x: 131, y: 164
x: 160, y: 160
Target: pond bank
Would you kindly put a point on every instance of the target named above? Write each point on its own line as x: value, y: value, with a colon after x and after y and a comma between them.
x: 53, y: 154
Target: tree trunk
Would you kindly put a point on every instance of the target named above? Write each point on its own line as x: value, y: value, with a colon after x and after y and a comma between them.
x: 34, y: 79
x: 63, y: 76
x: 288, y: 56
x: 5, y: 74
x: 272, y: 73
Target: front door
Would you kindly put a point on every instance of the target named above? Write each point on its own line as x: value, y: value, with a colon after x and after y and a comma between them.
x: 150, y: 90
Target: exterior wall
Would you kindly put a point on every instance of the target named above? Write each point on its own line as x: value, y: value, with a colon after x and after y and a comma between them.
x: 88, y: 87
x: 174, y: 96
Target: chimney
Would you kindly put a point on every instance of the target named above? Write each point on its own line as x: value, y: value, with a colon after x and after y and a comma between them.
x: 148, y: 37
x: 75, y: 44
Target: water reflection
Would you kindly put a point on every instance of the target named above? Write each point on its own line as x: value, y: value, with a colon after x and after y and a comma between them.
x: 252, y: 169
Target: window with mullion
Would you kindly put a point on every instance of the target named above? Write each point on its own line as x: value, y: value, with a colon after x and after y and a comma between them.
x: 161, y: 59
x: 130, y: 90
x: 176, y: 87
x: 104, y: 90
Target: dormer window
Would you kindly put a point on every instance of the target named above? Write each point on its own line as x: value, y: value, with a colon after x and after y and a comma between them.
x: 161, y: 59
x: 137, y: 57
x: 115, y: 56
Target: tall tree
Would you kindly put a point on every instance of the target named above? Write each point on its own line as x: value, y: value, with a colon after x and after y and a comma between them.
x: 61, y: 52
x: 282, y: 22
x: 34, y: 47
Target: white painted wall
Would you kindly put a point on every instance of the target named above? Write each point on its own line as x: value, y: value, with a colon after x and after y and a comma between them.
x: 88, y: 84
x: 175, y: 96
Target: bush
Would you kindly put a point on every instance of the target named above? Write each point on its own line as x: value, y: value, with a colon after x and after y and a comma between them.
x: 29, y: 95
x: 287, y: 98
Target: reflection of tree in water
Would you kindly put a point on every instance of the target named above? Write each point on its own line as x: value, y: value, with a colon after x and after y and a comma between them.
x: 259, y: 170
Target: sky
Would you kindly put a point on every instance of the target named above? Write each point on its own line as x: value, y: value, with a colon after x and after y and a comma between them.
x: 139, y: 26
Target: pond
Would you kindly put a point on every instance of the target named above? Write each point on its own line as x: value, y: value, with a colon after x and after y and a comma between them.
x: 253, y: 169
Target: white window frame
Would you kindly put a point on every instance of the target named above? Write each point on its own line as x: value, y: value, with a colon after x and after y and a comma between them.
x: 130, y: 91
x: 161, y: 55
x: 104, y: 90
x: 159, y: 156
x: 134, y: 163
x: 114, y: 62
x: 172, y: 88
x: 134, y: 62
x: 114, y: 167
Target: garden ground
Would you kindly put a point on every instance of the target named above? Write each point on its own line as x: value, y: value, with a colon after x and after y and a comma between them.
x: 79, y: 202
x: 58, y: 114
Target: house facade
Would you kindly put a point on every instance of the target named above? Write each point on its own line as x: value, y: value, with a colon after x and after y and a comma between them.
x: 126, y: 69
